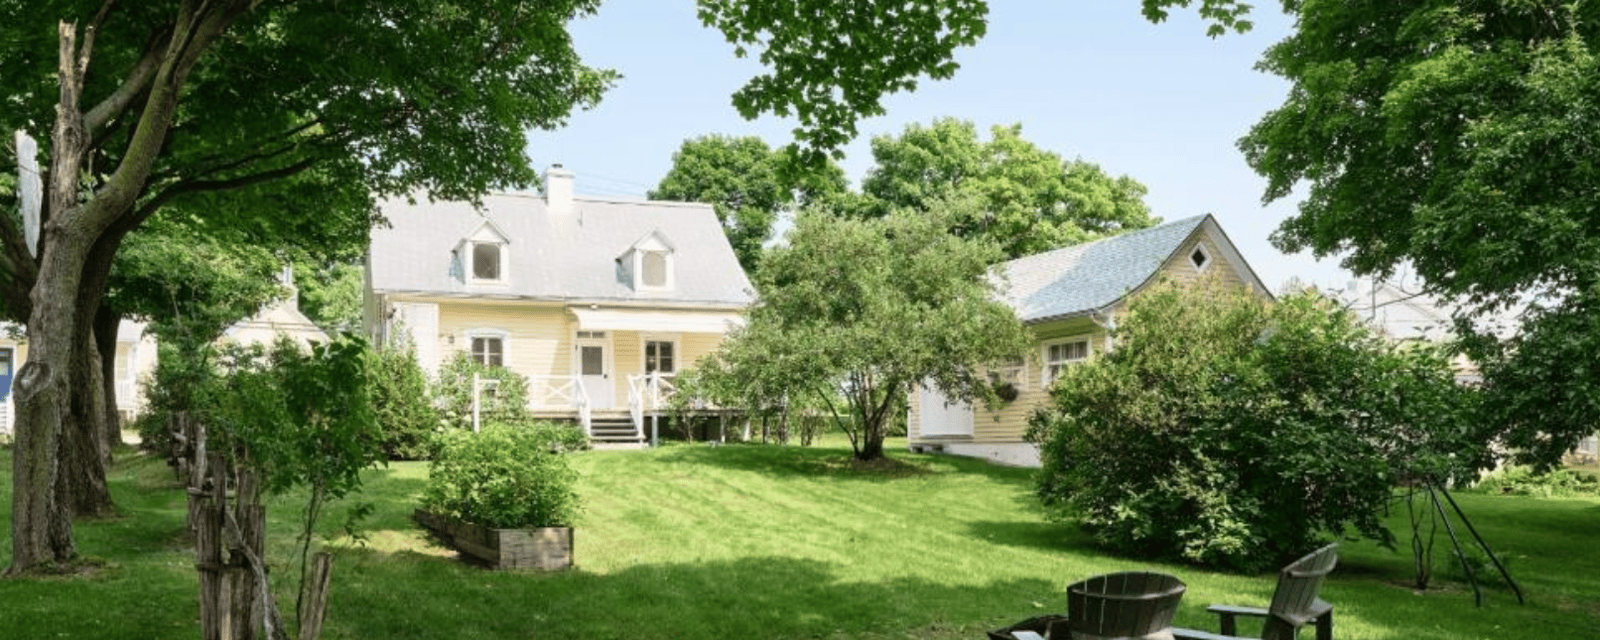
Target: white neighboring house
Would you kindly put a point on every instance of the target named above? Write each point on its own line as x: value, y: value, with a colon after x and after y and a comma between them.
x: 599, y: 302
x: 136, y: 357
x: 1401, y: 312
x: 281, y: 316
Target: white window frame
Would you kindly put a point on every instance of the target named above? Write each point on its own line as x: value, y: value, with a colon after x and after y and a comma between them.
x: 487, y: 235
x: 653, y: 243
x: 1016, y: 374
x: 488, y: 333
x: 1046, y: 376
x: 1200, y: 248
x: 677, y: 351
x: 669, y: 282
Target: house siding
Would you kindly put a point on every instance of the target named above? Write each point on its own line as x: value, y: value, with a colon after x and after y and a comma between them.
x: 1010, y: 422
x: 538, y: 338
x: 628, y: 347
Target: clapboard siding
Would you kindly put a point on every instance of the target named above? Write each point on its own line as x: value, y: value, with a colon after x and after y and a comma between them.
x: 538, y: 338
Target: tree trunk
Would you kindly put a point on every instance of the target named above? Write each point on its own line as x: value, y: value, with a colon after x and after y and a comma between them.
x: 59, y: 323
x: 36, y: 516
x: 106, y: 323
x: 84, y: 452
x: 93, y: 392
x: 41, y: 519
x: 871, y: 443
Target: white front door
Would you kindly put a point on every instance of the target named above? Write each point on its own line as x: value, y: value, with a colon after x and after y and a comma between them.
x: 941, y: 417
x: 593, y: 364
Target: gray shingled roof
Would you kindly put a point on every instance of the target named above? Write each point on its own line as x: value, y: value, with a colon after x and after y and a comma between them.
x: 563, y: 258
x: 1090, y: 276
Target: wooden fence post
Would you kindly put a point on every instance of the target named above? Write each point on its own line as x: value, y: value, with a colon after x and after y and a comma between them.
x: 316, y: 596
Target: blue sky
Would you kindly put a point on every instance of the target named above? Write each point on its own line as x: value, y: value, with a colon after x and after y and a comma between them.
x: 1087, y: 79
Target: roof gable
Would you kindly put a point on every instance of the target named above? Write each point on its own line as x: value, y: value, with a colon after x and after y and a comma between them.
x: 653, y: 241
x: 1088, y: 277
x: 487, y: 232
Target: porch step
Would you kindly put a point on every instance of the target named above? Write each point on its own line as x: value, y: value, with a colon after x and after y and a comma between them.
x: 611, y: 427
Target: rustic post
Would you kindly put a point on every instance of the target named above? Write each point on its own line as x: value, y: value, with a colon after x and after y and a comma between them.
x: 316, y: 596
x: 207, y: 511
x: 251, y: 518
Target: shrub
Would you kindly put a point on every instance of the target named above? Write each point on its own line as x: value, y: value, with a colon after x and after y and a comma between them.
x: 181, y: 382
x: 1224, y: 430
x: 557, y: 438
x: 1522, y: 481
x: 402, y: 405
x: 506, y: 401
x: 503, y: 477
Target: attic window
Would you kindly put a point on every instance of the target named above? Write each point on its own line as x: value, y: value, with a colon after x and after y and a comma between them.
x: 1199, y: 258
x: 487, y: 261
x: 655, y: 269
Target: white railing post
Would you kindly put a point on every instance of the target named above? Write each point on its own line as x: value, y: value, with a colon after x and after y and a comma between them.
x: 636, y: 405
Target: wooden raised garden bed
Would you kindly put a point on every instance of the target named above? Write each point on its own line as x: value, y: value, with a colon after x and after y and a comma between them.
x: 542, y: 549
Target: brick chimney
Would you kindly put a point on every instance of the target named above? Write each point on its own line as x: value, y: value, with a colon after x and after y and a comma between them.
x: 558, y: 191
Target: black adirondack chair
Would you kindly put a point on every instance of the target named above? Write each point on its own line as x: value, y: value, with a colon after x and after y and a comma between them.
x: 1131, y: 605
x: 1294, y: 605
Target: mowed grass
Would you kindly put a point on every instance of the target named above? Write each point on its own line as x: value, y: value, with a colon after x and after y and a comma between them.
x: 692, y: 541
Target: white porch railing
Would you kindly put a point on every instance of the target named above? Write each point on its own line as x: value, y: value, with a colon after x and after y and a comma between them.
x: 560, y: 392
x: 648, y: 392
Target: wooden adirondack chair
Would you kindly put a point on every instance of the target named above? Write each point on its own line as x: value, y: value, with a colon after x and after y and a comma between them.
x: 1294, y: 604
x: 1132, y: 605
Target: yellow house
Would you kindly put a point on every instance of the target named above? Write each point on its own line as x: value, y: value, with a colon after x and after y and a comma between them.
x: 1071, y: 299
x: 597, y: 301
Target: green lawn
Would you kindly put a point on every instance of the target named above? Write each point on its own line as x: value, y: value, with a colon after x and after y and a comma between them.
x: 692, y: 541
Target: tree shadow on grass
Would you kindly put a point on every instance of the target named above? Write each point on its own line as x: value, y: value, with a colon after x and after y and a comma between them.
x: 786, y: 461
x: 829, y: 462
x: 1042, y: 535
x: 411, y: 595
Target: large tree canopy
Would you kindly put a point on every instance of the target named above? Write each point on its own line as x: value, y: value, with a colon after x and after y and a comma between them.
x: 1029, y: 199
x: 1459, y: 137
x: 749, y: 183
x: 192, y: 103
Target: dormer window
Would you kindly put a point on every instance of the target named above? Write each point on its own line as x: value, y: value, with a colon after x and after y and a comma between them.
x: 484, y: 256
x: 655, y: 269
x: 486, y: 261
x: 648, y: 264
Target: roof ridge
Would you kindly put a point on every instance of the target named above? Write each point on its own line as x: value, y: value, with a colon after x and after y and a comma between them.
x: 1120, y: 236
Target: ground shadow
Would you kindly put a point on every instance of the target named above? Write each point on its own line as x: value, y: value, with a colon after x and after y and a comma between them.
x: 764, y: 597
x: 787, y: 461
x: 1043, y: 535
